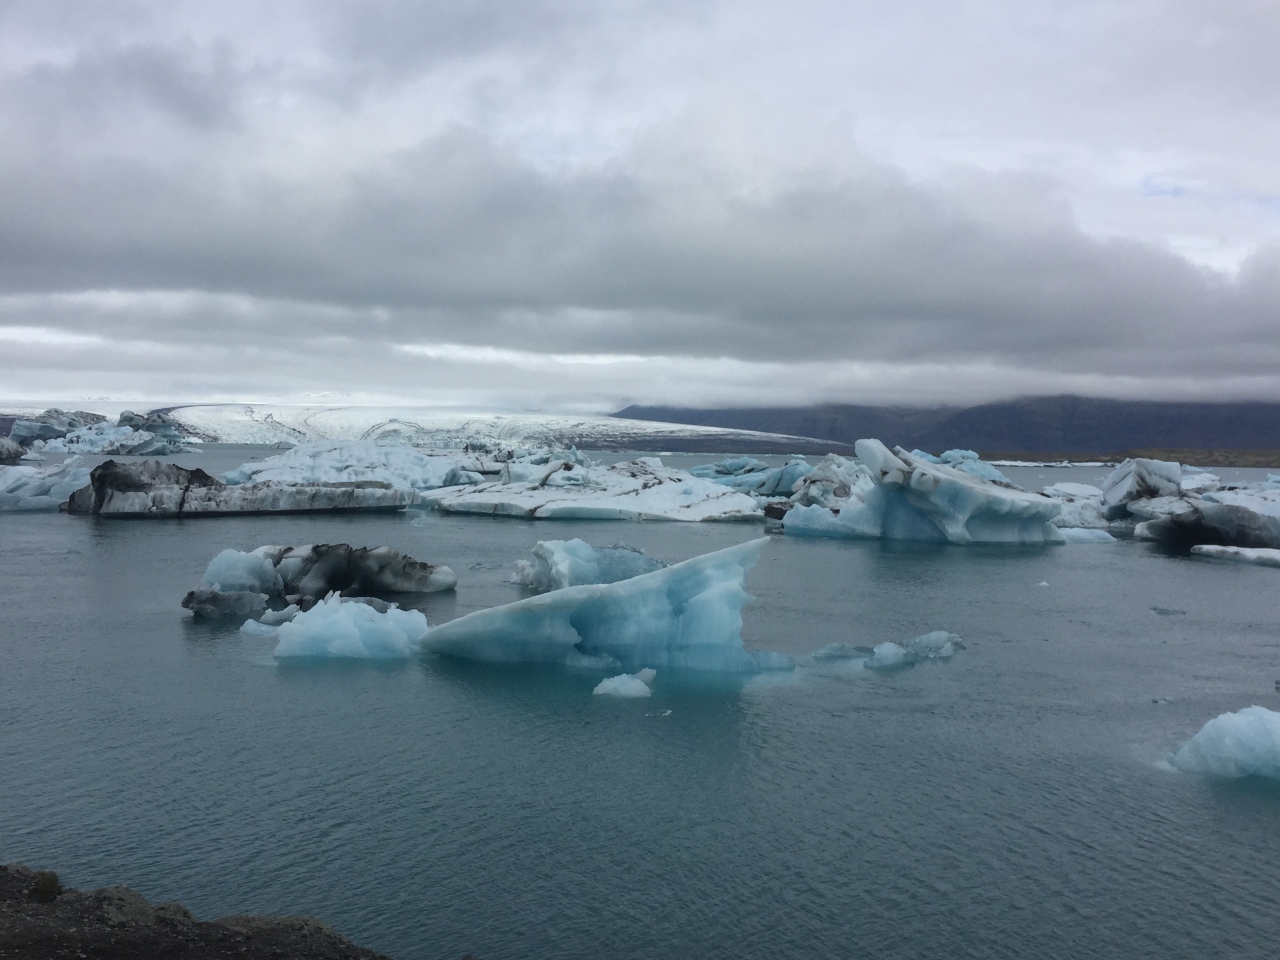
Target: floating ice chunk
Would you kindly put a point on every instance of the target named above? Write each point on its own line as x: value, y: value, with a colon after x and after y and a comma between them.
x: 108, y: 439
x: 684, y: 617
x: 937, y: 645
x: 832, y: 481
x: 274, y: 618
x: 157, y: 490
x: 640, y: 489
x: 733, y: 467
x: 314, y: 571
x: 1235, y: 518
x: 769, y: 482
x: 351, y: 630
x: 1086, y: 535
x: 887, y: 655
x: 1141, y: 479
x: 51, y: 425
x: 1263, y: 556
x: 258, y: 628
x: 24, y: 489
x: 10, y: 451
x: 912, y: 499
x: 234, y: 570
x: 630, y: 685
x: 212, y: 603
x: 1242, y: 744
x: 568, y: 563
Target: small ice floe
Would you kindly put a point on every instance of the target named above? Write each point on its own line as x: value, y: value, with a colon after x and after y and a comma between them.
x: 352, y: 631
x: 1233, y: 745
x: 1262, y: 556
x: 658, y: 713
x: 1169, y: 611
x: 938, y: 645
x: 1043, y: 583
x: 558, y: 564
x: 628, y: 685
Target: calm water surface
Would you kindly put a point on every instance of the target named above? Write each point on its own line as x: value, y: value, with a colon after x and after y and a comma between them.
x: 1009, y: 803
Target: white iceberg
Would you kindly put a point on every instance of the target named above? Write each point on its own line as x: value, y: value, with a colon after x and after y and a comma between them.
x: 25, y: 489
x: 1233, y: 745
x: 908, y: 498
x: 937, y: 645
x: 351, y: 630
x: 627, y: 685
x: 1141, y: 479
x: 640, y: 489
x: 558, y: 564
x: 1263, y: 556
x: 236, y: 570
x: 685, y: 617
x: 831, y: 482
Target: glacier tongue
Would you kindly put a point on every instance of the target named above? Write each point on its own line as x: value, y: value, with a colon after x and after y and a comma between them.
x: 685, y: 617
x: 907, y: 497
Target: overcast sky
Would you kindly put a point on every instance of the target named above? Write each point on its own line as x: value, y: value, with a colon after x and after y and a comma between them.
x: 570, y: 206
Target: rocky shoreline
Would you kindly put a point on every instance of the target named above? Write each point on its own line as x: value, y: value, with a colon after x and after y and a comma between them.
x: 39, y: 919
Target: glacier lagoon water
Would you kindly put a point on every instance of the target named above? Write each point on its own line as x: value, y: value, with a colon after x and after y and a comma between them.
x: 1010, y: 802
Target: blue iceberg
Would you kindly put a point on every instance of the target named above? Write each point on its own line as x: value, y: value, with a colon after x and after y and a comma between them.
x: 1233, y: 745
x: 558, y: 564
x: 685, y: 617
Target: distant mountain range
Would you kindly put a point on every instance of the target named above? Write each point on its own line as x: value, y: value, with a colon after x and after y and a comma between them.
x: 1040, y: 426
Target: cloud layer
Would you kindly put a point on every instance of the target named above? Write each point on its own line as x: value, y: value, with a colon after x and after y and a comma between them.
x: 567, y: 205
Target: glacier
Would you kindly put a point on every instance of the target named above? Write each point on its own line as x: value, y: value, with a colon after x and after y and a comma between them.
x: 25, y: 488
x: 432, y: 428
x: 558, y: 564
x: 351, y: 631
x: 685, y: 617
x: 905, y: 497
x: 1233, y: 745
x: 641, y: 489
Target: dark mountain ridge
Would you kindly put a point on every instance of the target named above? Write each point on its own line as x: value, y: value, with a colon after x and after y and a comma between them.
x: 1062, y: 425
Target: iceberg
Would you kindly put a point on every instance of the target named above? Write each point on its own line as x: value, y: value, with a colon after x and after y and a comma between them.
x: 304, y: 575
x: 558, y: 564
x: 10, y: 451
x: 40, y: 488
x: 831, y: 482
x: 1141, y: 479
x: 132, y: 435
x: 1227, y: 518
x: 351, y: 630
x: 938, y: 645
x: 909, y: 498
x: 1233, y: 745
x: 747, y: 475
x: 628, y: 685
x: 51, y: 425
x: 685, y: 617
x: 211, y: 602
x: 640, y: 489
x: 155, y: 490
x: 1262, y: 556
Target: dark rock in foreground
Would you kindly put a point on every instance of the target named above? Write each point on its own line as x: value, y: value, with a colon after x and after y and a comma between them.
x: 155, y: 489
x: 37, y: 920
